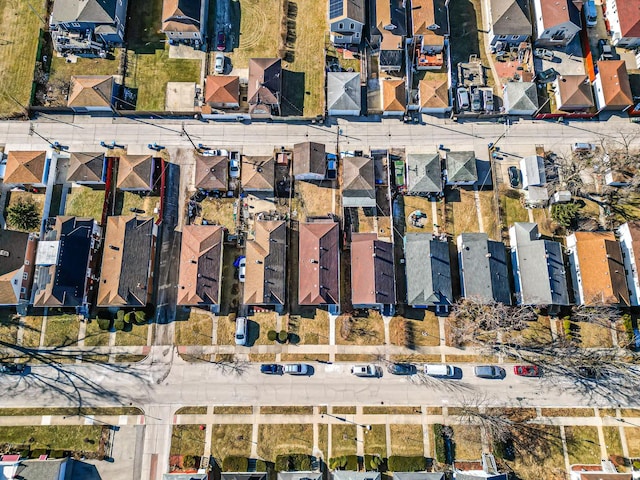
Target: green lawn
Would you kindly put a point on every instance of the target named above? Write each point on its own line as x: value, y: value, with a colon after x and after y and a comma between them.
x: 125, y: 201
x: 55, y: 437
x: 582, y: 444
x: 511, y: 208
x: 85, y: 202
x: 61, y: 331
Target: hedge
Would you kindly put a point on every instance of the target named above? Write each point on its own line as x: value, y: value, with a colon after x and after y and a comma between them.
x: 346, y: 462
x: 373, y: 462
x: 441, y: 451
x: 139, y: 317
x: 104, y: 323
x: 293, y: 462
x: 235, y: 464
x: 407, y: 464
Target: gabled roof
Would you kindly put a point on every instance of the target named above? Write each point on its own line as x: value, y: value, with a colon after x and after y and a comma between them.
x: 520, y: 97
x: 393, y: 96
x: 351, y: 475
x: 90, y: 91
x: 13, y: 246
x: 434, y: 92
x: 231, y: 476
x: 85, y: 167
x: 89, y: 11
x: 309, y: 157
x: 124, y: 278
x: 510, y: 17
x: 50, y: 469
x: 484, y: 270
x: 200, y: 275
x: 25, y: 167
x: 222, y: 89
x: 358, y: 181
x: 134, y: 172
x: 346, y: 9
x: 461, y: 167
x: 615, y: 83
x: 299, y: 476
x: 265, y: 81
x: 63, y: 282
x: 418, y: 475
x: 258, y: 173
x: 181, y: 15
x: 540, y: 266
x: 428, y: 270
x: 555, y: 12
x: 429, y: 19
x: 389, y: 19
x: 629, y: 18
x: 266, y: 264
x: 533, y: 170
x: 575, y: 92
x: 318, y: 265
x: 212, y: 172
x: 343, y: 91
x: 372, y: 270
x: 424, y: 173
x: 601, y: 268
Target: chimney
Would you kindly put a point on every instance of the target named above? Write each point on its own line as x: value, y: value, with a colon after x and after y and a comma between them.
x: 113, y: 247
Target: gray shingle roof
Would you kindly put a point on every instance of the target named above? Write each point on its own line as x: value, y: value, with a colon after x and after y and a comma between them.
x: 351, y: 475
x: 343, y: 91
x: 91, y: 11
x: 358, y: 182
x: 428, y: 270
x: 461, y: 167
x: 299, y: 475
x: 241, y: 476
x: 418, y: 476
x: 40, y: 469
x: 424, y: 173
x: 510, y: 17
x: 520, y: 97
x: 533, y: 173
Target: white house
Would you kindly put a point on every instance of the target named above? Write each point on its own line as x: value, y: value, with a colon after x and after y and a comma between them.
x: 557, y: 22
x: 533, y: 174
x: 629, y: 236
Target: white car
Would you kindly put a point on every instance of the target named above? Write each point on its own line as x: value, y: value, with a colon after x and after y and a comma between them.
x: 234, y: 168
x: 370, y: 370
x: 241, y: 331
x: 296, y: 369
x: 242, y: 269
x: 219, y: 63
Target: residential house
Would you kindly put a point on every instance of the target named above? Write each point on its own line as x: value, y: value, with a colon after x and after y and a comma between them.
x: 299, y: 476
x: 573, y: 93
x: 136, y: 173
x: 520, y: 98
x: 605, y: 470
x: 483, y: 469
x: 629, y: 234
x: 200, y: 277
x: 597, y: 269
x: 509, y: 21
x: 418, y: 476
x: 538, y: 267
x: 266, y: 259
x: 240, y: 476
x: 461, y: 168
x: 258, y: 174
x: 265, y: 86
x: 212, y: 172
x: 536, y: 197
x: 623, y: 23
x: 430, y: 30
x: 433, y: 94
x: 65, y: 263
x: 346, y: 20
x: 613, y: 91
x: 353, y: 475
x: 49, y: 469
x: 557, y: 22
x: 533, y: 171
x: 29, y: 169
x: 17, y: 256
x: 388, y: 29
x: 372, y: 273
x: 309, y: 161
x: 319, y: 263
x: 619, y: 177
x: 394, y: 97
x: 206, y: 476
x: 358, y: 182
x: 222, y: 91
x: 88, y: 27
x: 91, y: 93
x: 127, y: 259
x: 87, y: 168
x: 424, y: 174
x: 344, y: 94
x: 185, y: 21
x: 484, y: 272
x: 428, y: 271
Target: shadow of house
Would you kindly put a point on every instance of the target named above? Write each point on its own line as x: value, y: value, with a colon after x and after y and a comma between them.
x: 293, y: 93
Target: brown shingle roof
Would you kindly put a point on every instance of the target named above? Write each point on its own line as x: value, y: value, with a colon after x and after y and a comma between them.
x: 25, y: 167
x: 85, y: 167
x: 265, y: 81
x: 222, y: 89
x: 372, y: 270
x: 434, y: 92
x: 15, y: 244
x: 393, y: 96
x: 309, y: 157
x: 318, y: 264
x: 258, y: 173
x: 181, y: 15
x: 200, y: 275
x: 575, y: 92
x: 90, y: 91
x: 601, y: 268
x: 134, y: 172
x: 555, y: 12
x: 212, y: 172
x: 266, y: 264
x: 615, y: 83
x: 429, y: 13
x: 629, y: 17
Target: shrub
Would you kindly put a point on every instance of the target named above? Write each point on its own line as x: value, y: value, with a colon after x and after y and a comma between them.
x: 140, y: 317
x: 565, y: 213
x: 262, y: 466
x: 293, y: 462
x: 283, y: 335
x: 441, y: 454
x: 372, y: 462
x: 23, y: 215
x: 189, y: 461
x: 340, y: 462
x: 129, y: 317
x: 104, y: 323
x: 407, y: 464
x: 627, y: 321
x: 57, y: 454
x: 37, y: 453
x: 235, y: 464
x: 636, y: 464
x: 272, y: 335
x: 567, y: 326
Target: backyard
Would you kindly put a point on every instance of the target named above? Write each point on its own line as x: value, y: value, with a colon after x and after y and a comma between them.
x: 462, y: 215
x: 85, y: 202
x: 36, y: 198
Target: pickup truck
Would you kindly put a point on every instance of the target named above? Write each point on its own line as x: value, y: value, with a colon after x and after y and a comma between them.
x: 369, y: 370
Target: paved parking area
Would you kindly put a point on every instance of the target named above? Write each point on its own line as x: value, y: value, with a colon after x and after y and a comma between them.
x: 567, y: 61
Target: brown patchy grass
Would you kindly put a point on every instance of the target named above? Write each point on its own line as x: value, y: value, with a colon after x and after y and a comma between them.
x: 413, y: 203
x: 219, y: 211
x: 315, y: 199
x: 632, y: 435
x: 567, y: 412
x: 196, y: 330
x: 312, y: 331
x: 407, y: 332
x: 61, y: 331
x: 630, y: 412
x: 348, y: 357
x: 233, y: 410
x: 342, y: 440
x: 375, y: 441
x: 85, y: 202
x: 468, y: 442
x: 391, y: 410
x: 292, y: 438
x: 95, y: 336
x: 227, y: 329
x: 231, y: 440
x: 582, y: 444
x: 592, y: 335
x: 138, y: 335
x: 263, y: 357
x: 304, y: 357
x: 417, y: 358
x: 462, y: 215
x: 406, y: 440
x: 360, y: 330
x: 489, y: 213
x: 323, y: 439
x: 192, y: 410
x: 187, y: 440
x: 547, y: 464
x: 612, y: 440
x: 343, y: 410
x: 286, y: 410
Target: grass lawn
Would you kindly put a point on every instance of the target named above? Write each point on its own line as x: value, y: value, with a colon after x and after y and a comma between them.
x: 9, y: 328
x: 391, y: 410
x: 266, y: 321
x: 633, y: 440
x: 18, y: 49
x: 32, y: 329
x: 17, y: 412
x: 375, y: 441
x: 545, y: 224
x: 407, y: 440
x: 489, y: 213
x: 323, y: 439
x: 196, y: 330
x: 219, y: 211
x: 511, y: 208
x: 612, y: 440
x: 54, y: 437
x: 413, y: 203
x: 192, y: 411
x: 85, y: 202
x: 230, y: 440
x: 566, y: 412
x: 94, y: 336
x: 312, y: 331
x: 582, y: 444
x: 291, y: 438
x: 630, y: 412
x: 592, y: 335
x: 343, y: 440
x: 468, y: 443
x: 187, y: 440
x: 415, y: 333
x: 36, y: 198
x: 227, y: 329
x: 545, y: 461
x: 462, y: 215
x: 137, y: 336
x: 360, y: 330
x: 286, y: 410
x: 125, y: 201
x: 315, y: 199
x: 233, y: 410
x: 343, y: 410
x: 61, y: 331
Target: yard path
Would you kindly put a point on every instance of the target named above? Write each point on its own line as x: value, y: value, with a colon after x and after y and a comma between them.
x: 476, y: 197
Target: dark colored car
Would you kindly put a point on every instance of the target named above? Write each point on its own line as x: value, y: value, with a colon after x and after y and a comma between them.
x: 588, y: 372
x: 489, y: 371
x: 13, y: 369
x: 607, y: 52
x: 527, y: 370
x: 271, y: 369
x: 548, y: 75
x: 402, y: 369
x: 514, y: 178
x: 221, y: 42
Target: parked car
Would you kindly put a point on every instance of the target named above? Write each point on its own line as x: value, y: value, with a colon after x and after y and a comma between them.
x: 219, y: 152
x: 13, y: 368
x: 489, y: 371
x: 527, y: 370
x: 590, y: 13
x: 476, y: 100
x: 369, y: 370
x: 544, y: 54
x: 297, y: 369
x: 402, y: 369
x: 221, y: 42
x: 548, y: 75
x: 607, y: 51
x: 242, y: 269
x: 332, y: 166
x: 588, y: 372
x: 439, y: 370
x: 583, y: 147
x: 271, y: 369
x: 487, y: 99
x: 463, y: 98
x: 219, y: 63
x: 241, y: 331
x: 234, y: 167
x: 514, y: 178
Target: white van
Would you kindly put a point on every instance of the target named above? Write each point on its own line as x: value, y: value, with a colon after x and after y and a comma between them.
x: 241, y: 331
x: 439, y: 370
x: 590, y: 13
